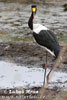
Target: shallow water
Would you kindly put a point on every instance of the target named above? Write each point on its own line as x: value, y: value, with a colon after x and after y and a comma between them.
x: 14, y: 18
x: 12, y: 75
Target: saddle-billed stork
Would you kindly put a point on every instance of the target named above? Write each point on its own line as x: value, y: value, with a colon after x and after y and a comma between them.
x: 44, y: 36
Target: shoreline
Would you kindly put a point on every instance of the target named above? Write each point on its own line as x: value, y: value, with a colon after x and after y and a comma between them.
x: 30, y: 54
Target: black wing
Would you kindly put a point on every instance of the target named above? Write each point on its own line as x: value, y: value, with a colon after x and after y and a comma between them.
x: 47, y: 39
x: 52, y: 35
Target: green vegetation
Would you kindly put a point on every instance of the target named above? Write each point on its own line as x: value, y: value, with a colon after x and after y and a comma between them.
x: 62, y: 37
x: 24, y: 38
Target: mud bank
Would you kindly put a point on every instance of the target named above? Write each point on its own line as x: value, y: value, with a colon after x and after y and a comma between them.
x: 49, y: 95
x: 28, y: 54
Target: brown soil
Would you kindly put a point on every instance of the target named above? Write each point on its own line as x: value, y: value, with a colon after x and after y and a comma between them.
x: 49, y: 95
x: 28, y: 54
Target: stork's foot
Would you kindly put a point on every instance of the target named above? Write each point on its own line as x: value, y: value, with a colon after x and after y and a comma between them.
x: 47, y: 78
x: 45, y: 85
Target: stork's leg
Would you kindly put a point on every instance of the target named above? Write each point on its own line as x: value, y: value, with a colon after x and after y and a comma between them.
x: 46, y: 57
x: 49, y: 75
x: 45, y: 71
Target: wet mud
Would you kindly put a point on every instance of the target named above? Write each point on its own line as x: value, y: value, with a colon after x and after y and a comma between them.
x: 23, y: 53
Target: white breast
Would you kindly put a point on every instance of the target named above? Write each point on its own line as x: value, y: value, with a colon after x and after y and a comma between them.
x: 38, y: 27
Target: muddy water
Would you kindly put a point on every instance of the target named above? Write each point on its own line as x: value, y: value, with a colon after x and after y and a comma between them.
x: 25, y: 77
x: 14, y: 18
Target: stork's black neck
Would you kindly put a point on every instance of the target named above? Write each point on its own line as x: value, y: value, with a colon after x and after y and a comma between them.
x: 30, y: 22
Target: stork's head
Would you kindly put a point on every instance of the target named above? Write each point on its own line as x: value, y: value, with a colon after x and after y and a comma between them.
x: 34, y: 10
x: 32, y: 17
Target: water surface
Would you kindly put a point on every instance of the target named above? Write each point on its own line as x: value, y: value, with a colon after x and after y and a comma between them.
x: 14, y: 21
x: 14, y: 76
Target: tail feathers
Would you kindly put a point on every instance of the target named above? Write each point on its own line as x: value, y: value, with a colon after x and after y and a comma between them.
x: 57, y: 53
